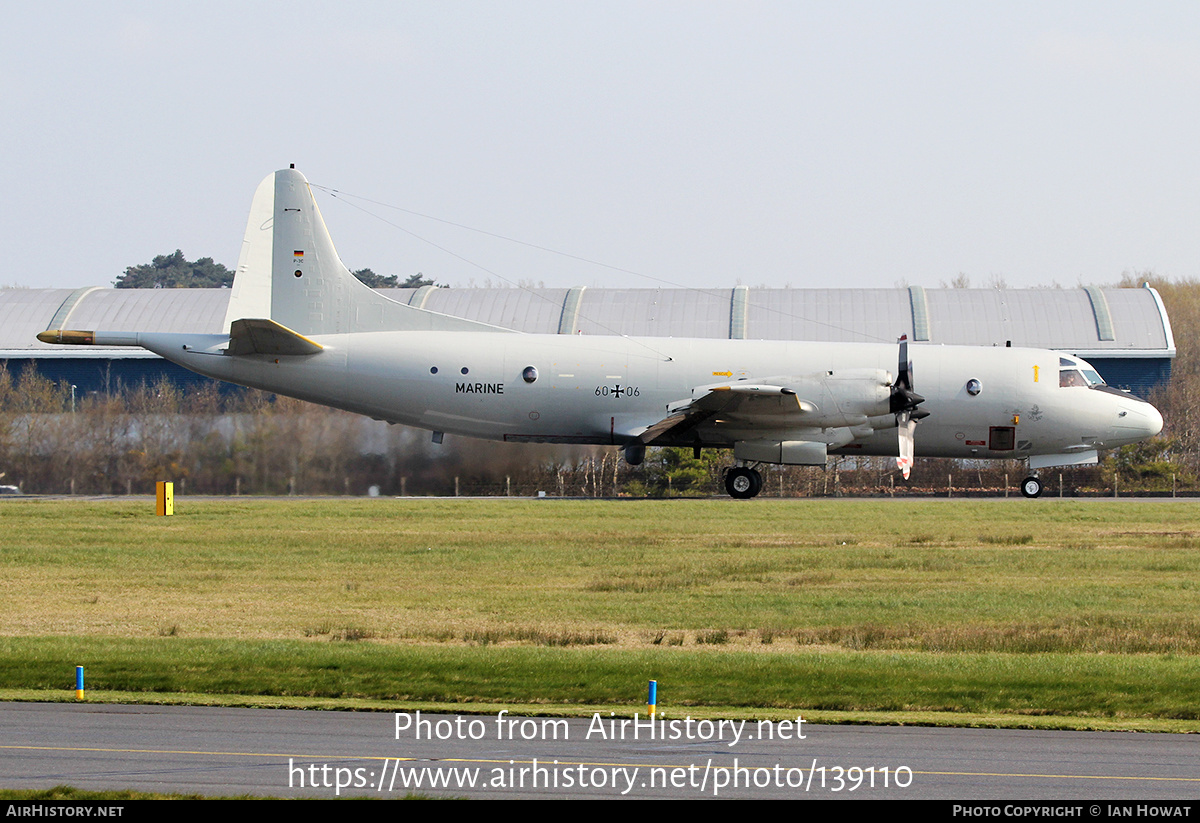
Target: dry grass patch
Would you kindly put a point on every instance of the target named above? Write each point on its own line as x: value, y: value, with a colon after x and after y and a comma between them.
x: 849, y: 574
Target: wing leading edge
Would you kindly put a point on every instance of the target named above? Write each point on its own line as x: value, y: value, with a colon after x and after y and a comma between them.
x: 830, y: 409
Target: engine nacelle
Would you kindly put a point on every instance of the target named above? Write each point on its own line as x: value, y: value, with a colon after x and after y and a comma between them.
x: 785, y: 452
x: 859, y: 393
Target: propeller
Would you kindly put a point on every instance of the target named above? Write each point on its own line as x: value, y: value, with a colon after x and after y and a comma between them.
x: 903, y: 404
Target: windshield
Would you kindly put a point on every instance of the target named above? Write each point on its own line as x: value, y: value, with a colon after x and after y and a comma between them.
x: 1071, y: 377
x: 1077, y: 373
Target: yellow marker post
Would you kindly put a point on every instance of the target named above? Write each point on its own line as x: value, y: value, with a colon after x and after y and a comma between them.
x: 79, y: 682
x: 652, y: 699
x: 164, y: 492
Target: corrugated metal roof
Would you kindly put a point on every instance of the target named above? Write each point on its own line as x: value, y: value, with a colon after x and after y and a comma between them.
x: 508, y: 308
x: 1047, y: 318
x: 1027, y: 318
x: 656, y: 312
x: 25, y: 312
x: 840, y: 315
x: 1133, y: 325
x: 180, y: 310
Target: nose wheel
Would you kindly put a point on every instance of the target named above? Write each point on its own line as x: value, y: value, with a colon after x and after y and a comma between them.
x: 743, y: 483
x: 1031, y: 486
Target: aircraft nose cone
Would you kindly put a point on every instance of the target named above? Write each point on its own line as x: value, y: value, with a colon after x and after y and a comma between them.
x: 1139, y: 421
x: 1154, y: 421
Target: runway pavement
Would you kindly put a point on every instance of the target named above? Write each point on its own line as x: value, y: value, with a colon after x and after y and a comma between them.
x: 222, y: 751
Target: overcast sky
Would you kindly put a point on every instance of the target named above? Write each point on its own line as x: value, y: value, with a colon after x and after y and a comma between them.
x: 856, y: 144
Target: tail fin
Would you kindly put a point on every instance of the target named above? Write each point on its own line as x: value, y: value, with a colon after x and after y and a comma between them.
x: 289, y: 272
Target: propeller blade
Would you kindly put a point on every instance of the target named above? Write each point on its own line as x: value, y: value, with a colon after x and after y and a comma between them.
x: 906, y: 426
x: 904, y: 402
x: 903, y: 397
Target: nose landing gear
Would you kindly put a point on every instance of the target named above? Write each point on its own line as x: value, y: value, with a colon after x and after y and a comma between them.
x: 1031, y: 486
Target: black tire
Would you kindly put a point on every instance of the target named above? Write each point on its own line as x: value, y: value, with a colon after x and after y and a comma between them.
x: 758, y: 482
x: 1031, y: 487
x: 743, y: 483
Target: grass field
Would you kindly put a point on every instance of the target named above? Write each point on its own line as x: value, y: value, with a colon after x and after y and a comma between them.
x: 1009, y: 609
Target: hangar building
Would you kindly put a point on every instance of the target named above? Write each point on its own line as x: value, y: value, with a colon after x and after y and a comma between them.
x: 1124, y: 333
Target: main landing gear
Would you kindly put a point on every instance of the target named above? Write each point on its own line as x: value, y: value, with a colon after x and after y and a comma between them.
x: 742, y: 482
x: 1031, y: 486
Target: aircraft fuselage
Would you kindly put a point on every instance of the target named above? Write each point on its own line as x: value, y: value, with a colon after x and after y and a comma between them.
x: 607, y: 390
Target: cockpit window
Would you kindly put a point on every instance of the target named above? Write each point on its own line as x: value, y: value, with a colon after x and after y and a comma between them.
x: 1079, y: 377
x: 1065, y: 363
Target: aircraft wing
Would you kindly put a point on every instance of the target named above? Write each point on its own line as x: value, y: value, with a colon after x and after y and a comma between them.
x: 755, y: 404
x: 676, y: 424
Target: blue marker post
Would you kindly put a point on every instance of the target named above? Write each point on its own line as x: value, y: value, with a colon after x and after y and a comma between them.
x: 651, y: 702
x: 79, y: 682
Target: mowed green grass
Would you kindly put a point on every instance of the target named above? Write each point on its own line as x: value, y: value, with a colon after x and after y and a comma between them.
x: 1085, y: 609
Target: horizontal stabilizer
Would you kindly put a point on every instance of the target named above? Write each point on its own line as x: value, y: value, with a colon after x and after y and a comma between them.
x: 262, y: 336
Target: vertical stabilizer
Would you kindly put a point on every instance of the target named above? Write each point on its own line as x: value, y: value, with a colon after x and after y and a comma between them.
x: 251, y: 295
x: 289, y: 272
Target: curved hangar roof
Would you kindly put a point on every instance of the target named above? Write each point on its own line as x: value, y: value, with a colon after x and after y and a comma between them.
x: 25, y: 312
x: 1090, y: 322
x: 1104, y: 321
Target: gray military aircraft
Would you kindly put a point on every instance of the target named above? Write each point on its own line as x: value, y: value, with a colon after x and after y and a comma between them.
x: 300, y: 324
